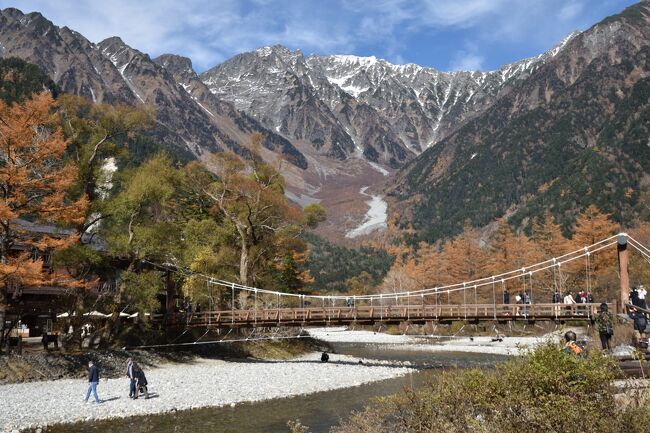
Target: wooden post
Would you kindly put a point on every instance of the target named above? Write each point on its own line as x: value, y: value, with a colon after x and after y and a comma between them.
x: 622, y: 269
x: 169, y: 293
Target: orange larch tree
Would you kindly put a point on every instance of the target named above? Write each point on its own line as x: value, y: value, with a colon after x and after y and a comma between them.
x: 548, y: 242
x: 34, y: 180
x: 592, y: 226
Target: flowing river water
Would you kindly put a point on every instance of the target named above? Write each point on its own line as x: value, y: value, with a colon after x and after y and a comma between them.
x: 319, y: 411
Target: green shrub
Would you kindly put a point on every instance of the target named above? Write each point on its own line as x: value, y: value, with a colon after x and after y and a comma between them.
x: 543, y: 391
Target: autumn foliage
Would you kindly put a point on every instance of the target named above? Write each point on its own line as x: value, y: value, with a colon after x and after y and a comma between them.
x: 476, y: 254
x: 34, y: 180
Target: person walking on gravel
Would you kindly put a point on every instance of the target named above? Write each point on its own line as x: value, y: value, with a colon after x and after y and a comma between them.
x: 130, y: 374
x: 93, y: 380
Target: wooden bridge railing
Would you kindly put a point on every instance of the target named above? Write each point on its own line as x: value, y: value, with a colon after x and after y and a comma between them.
x: 316, y: 316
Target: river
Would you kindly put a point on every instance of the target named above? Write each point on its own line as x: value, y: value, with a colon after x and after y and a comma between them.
x: 319, y: 411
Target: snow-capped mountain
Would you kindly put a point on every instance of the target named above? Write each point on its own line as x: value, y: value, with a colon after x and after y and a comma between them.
x: 345, y: 105
x: 359, y: 128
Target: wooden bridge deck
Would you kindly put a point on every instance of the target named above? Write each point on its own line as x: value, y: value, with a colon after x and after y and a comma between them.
x: 389, y: 314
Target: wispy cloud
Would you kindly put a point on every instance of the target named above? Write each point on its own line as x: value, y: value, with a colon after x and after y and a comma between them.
x: 437, y: 31
x: 466, y: 61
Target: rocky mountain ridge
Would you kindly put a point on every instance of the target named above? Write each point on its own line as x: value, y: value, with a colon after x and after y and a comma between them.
x: 347, y: 105
x: 573, y: 133
x: 469, y: 146
x: 113, y: 72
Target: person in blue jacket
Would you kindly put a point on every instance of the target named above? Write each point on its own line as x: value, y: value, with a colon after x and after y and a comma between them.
x: 93, y: 380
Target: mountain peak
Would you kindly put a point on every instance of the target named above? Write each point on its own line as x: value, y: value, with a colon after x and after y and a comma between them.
x: 33, y: 19
x: 114, y: 41
x: 175, y: 63
x: 277, y: 49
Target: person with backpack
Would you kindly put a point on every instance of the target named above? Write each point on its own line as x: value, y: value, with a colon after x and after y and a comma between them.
x: 571, y: 346
x: 605, y: 323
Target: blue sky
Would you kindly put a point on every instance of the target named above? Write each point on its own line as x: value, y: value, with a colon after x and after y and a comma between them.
x: 444, y: 34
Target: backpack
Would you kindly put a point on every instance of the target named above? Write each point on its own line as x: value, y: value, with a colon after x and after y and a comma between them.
x: 574, y: 348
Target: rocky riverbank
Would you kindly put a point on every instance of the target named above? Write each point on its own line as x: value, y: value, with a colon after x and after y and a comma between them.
x: 193, y: 384
x: 38, y: 365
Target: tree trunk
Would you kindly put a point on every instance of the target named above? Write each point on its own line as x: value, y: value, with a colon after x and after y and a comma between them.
x: 243, y: 263
x: 3, y: 310
x: 6, y: 242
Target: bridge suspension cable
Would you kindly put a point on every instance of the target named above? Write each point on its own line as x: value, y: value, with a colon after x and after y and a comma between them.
x: 554, y: 264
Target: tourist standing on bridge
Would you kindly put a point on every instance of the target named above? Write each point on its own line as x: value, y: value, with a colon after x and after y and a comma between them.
x: 519, y: 300
x: 556, y: 299
x: 506, y: 300
x: 642, y: 294
x: 605, y: 323
x: 634, y: 297
x: 568, y: 299
x: 93, y: 380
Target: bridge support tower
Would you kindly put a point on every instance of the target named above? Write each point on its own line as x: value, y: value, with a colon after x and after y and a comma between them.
x: 623, y: 258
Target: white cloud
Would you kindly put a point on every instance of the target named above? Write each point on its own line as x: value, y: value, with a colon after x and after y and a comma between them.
x: 466, y: 61
x: 570, y: 10
x: 458, y: 13
x: 212, y: 31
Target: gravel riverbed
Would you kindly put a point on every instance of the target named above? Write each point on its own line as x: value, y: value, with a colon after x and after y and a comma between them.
x: 486, y: 345
x: 200, y: 383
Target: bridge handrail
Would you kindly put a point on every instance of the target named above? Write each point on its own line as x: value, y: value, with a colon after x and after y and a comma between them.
x: 629, y: 307
x: 387, y: 312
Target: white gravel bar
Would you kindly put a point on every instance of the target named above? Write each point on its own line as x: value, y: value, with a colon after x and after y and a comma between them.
x: 508, y: 345
x: 341, y: 334
x: 203, y: 383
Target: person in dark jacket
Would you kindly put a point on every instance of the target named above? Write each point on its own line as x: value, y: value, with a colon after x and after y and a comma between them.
x: 140, y: 381
x: 555, y: 297
x: 93, y: 380
x: 605, y: 323
x: 506, y: 297
x: 634, y: 297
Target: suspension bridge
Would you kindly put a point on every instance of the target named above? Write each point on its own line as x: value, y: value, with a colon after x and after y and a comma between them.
x: 252, y: 307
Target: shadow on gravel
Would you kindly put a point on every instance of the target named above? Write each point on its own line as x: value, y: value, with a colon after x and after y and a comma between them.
x: 110, y: 399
